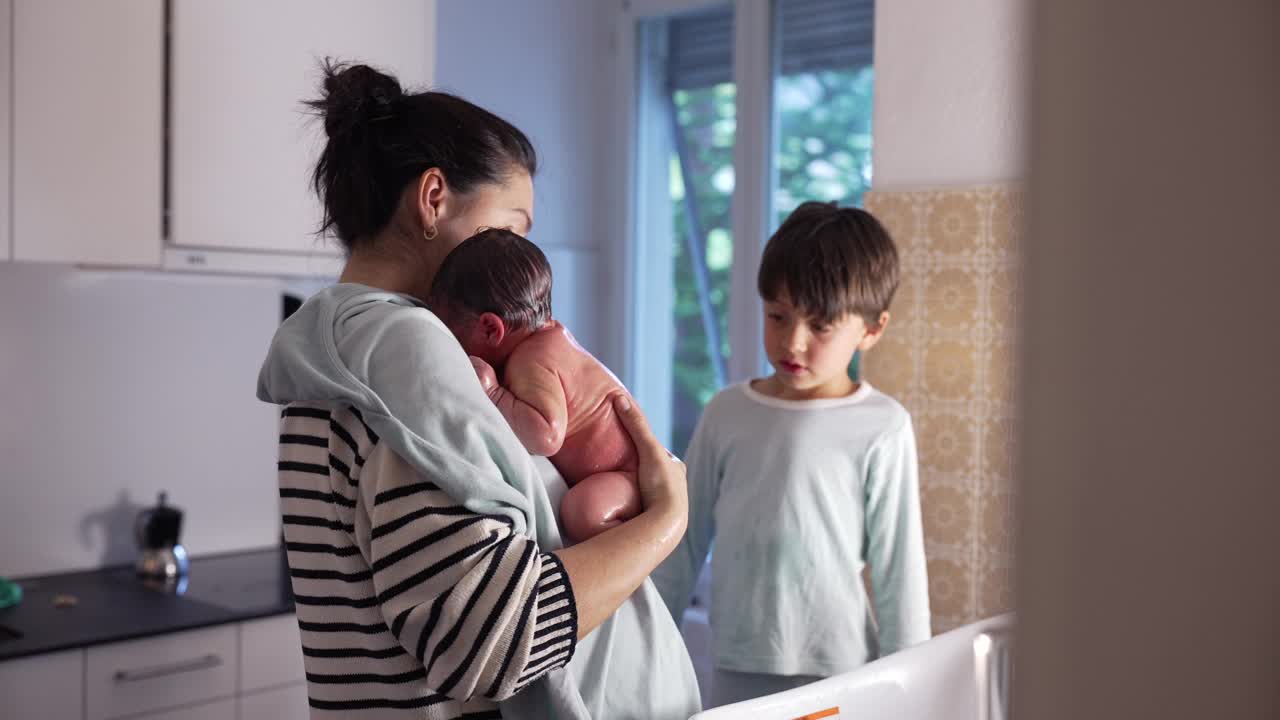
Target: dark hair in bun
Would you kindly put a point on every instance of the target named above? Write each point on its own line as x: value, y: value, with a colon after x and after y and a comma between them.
x: 381, y: 138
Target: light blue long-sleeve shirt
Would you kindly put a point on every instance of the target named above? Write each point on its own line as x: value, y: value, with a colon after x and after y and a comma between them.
x: 799, y: 496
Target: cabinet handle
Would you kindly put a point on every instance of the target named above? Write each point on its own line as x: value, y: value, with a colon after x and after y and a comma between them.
x: 202, y: 663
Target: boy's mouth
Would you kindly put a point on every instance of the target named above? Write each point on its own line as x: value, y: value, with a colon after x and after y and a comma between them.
x: 792, y: 368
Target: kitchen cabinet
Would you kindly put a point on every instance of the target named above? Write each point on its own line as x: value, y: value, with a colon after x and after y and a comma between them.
x: 243, y: 144
x: 271, y: 670
x: 217, y: 710
x: 285, y: 703
x: 160, y: 672
x: 269, y: 652
x: 6, y: 105
x: 103, y: 163
x: 87, y: 112
x: 43, y: 686
x: 250, y: 670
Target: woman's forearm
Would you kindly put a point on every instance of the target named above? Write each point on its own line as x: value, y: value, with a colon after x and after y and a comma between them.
x: 607, y: 568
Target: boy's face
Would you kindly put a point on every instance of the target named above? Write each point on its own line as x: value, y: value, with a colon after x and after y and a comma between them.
x: 811, y: 359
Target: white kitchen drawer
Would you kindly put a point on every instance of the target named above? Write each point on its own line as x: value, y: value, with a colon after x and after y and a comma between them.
x: 161, y: 672
x: 44, y: 686
x: 286, y: 703
x: 217, y: 710
x: 270, y: 653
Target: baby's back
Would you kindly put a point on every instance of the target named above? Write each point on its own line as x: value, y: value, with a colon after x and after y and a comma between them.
x: 595, y: 440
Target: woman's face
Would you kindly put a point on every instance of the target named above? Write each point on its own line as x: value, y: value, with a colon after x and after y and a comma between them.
x: 508, y: 205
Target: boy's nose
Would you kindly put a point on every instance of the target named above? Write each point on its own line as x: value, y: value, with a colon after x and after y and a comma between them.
x: 797, y: 340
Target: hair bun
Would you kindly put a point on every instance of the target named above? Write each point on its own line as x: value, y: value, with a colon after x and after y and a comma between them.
x: 354, y: 95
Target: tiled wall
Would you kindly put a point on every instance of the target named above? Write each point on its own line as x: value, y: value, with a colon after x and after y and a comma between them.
x: 947, y: 356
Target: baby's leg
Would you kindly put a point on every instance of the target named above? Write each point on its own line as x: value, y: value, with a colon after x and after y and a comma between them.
x: 599, y: 502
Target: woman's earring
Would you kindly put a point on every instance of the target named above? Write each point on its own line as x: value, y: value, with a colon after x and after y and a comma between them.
x: 430, y: 233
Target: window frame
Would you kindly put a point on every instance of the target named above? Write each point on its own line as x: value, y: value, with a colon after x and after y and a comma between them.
x: 644, y: 253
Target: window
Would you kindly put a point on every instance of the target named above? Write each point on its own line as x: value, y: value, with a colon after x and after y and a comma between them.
x: 822, y: 105
x: 694, y: 99
x: 742, y: 110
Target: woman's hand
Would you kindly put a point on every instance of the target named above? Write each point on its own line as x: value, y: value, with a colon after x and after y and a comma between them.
x: 604, y: 570
x: 660, y: 476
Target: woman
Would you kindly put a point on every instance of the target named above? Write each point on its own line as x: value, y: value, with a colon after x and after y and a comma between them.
x: 428, y: 571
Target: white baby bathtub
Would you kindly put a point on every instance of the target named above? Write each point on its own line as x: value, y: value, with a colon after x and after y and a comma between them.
x: 959, y: 675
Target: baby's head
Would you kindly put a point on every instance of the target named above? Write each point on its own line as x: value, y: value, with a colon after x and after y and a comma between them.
x: 827, y: 277
x: 493, y: 290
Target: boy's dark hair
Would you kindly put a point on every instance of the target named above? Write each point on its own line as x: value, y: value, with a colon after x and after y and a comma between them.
x: 831, y: 261
x: 381, y: 139
x: 496, y: 271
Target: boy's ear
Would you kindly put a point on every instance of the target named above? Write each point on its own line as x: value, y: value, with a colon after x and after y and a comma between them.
x: 874, y: 332
x: 492, y: 329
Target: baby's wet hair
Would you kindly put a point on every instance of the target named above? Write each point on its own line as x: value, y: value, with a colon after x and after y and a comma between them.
x: 831, y: 261
x: 499, y: 272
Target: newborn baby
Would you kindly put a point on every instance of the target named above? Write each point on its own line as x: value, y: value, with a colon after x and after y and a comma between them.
x: 493, y: 291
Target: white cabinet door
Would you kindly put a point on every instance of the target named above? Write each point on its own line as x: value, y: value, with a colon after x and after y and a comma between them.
x: 286, y: 703
x: 270, y: 653
x: 6, y: 104
x: 220, y: 710
x: 243, y: 145
x: 44, y: 686
x: 88, y: 131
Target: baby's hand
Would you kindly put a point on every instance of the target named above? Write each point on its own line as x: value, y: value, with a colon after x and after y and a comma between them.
x: 484, y: 371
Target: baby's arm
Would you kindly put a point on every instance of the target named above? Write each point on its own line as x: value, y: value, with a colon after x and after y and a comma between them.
x: 533, y: 402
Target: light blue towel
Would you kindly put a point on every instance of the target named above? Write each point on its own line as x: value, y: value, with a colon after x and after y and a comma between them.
x: 393, y: 360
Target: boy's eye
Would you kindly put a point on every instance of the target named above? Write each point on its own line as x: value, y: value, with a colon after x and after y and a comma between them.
x: 776, y: 317
x: 822, y: 328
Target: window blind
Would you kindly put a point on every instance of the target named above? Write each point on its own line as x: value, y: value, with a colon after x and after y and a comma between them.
x: 813, y: 35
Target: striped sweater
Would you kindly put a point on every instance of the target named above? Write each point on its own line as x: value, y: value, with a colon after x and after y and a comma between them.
x: 410, y: 605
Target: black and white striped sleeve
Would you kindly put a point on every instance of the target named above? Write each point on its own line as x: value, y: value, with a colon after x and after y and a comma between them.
x: 484, y: 610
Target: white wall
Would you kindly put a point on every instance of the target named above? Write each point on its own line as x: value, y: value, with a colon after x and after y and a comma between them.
x: 546, y: 67
x: 115, y: 385
x: 949, y: 92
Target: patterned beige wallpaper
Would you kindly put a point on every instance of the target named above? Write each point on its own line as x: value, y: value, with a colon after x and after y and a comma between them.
x: 948, y: 356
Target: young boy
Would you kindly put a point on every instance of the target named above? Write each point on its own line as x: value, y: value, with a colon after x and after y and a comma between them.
x: 805, y: 477
x: 493, y: 292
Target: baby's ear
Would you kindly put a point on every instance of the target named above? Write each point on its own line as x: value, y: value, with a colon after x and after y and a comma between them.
x: 493, y: 329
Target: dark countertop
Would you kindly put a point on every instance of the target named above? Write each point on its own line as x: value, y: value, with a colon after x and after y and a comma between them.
x: 113, y: 605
